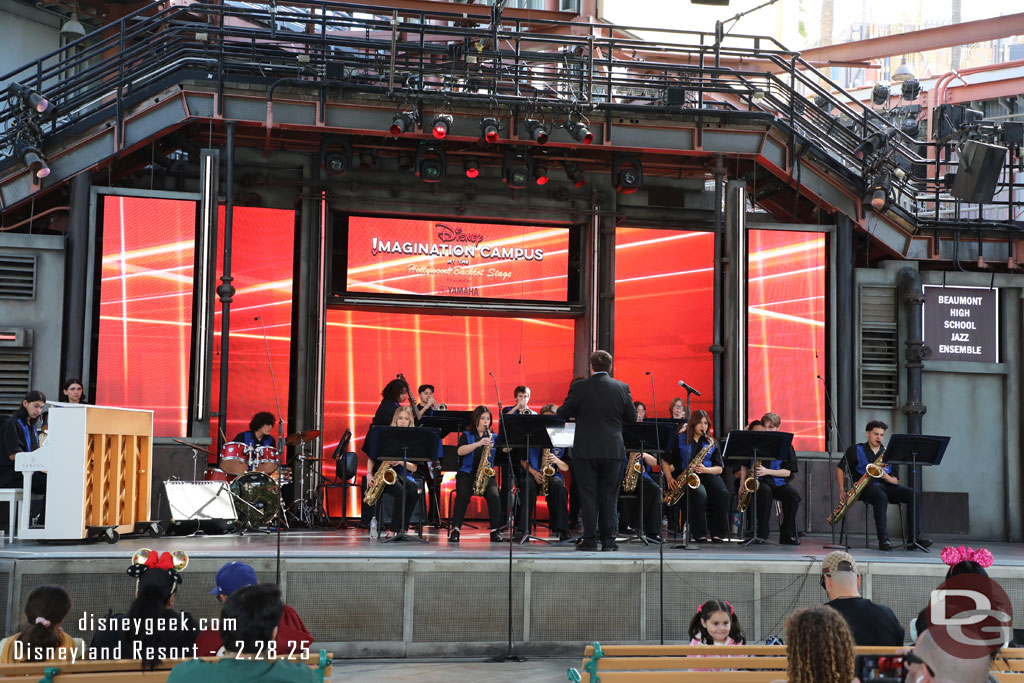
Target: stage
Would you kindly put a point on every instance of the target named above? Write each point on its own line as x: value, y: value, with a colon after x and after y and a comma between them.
x: 362, y: 598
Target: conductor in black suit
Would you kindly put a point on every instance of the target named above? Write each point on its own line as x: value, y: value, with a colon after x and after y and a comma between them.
x: 600, y: 406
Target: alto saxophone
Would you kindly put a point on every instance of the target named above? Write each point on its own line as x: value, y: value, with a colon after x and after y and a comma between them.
x: 750, y: 485
x: 688, y: 478
x: 633, y: 469
x: 547, y: 469
x: 386, y: 476
x: 872, y: 471
x: 484, y: 471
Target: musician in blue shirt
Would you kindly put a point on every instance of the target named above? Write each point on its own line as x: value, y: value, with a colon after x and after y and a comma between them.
x: 532, y: 479
x: 21, y: 435
x: 651, y: 493
x: 774, y: 476
x: 710, y: 496
x: 258, y: 434
x: 475, y: 443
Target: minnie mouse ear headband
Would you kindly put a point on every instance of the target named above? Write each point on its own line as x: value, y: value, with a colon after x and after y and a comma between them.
x: 145, y: 559
x: 954, y: 556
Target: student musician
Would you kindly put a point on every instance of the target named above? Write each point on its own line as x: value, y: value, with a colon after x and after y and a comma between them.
x: 402, y: 417
x: 774, y: 477
x: 882, y: 491
x: 522, y: 406
x: 394, y: 394
x: 73, y: 390
x: 258, y: 434
x: 651, y: 493
x: 21, y: 435
x: 427, y: 404
x: 517, y: 455
x: 475, y: 443
x: 531, y: 482
x: 677, y: 409
x: 711, y: 498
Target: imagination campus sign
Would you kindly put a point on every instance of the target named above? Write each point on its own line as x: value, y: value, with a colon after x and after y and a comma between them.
x: 962, y: 323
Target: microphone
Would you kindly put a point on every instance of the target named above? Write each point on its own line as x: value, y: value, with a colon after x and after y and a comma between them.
x: 686, y: 386
x: 256, y: 318
x: 648, y: 372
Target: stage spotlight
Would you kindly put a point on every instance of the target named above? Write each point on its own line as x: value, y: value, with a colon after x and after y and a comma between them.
x: 877, y: 195
x: 911, y: 89
x: 579, y: 131
x: 490, y: 129
x: 880, y: 94
x: 441, y: 125
x: 405, y: 161
x: 574, y: 174
x: 540, y: 172
x: 336, y: 154
x: 29, y: 98
x: 627, y: 174
x: 517, y: 169
x: 873, y: 143
x: 537, y: 131
x: 366, y: 160
x: 472, y: 167
x: 903, y: 72
x: 404, y: 122
x: 34, y: 159
x: 910, y: 127
x: 431, y: 163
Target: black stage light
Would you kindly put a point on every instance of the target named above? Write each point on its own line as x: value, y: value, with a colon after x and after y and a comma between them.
x: 33, y: 158
x: 431, y: 163
x: 30, y: 98
x: 877, y: 195
x: 367, y: 159
x: 910, y: 127
x: 574, y: 174
x: 472, y: 167
x: 627, y: 174
x: 874, y: 142
x: 537, y: 131
x: 911, y: 90
x: 490, y: 129
x: 403, y: 122
x: 336, y: 154
x: 880, y: 94
x: 517, y: 169
x: 441, y: 125
x: 579, y: 131
x: 540, y: 172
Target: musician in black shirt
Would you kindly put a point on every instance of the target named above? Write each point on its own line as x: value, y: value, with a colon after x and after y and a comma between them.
x: 474, y: 444
x: 401, y: 417
x: 258, y: 434
x: 774, y: 476
x: 21, y: 435
x: 711, y: 496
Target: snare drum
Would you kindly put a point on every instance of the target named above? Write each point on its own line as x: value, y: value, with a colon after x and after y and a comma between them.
x: 266, y: 459
x: 214, y: 474
x: 234, y: 457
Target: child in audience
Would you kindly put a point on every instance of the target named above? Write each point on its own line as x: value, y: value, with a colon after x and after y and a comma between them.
x: 960, y: 560
x: 716, y: 623
x: 43, y: 640
x: 819, y: 647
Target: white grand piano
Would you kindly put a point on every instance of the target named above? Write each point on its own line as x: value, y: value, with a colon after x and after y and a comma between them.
x: 98, y: 464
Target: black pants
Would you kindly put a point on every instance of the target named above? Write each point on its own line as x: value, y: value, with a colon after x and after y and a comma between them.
x: 574, y: 499
x: 878, y: 494
x: 709, y: 500
x: 463, y: 493
x: 648, y: 490
x: 790, y: 500
x: 412, y: 497
x: 599, y: 490
x: 558, y: 503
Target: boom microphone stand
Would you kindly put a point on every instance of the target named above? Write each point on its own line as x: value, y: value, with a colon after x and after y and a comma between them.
x: 831, y: 469
x: 661, y: 546
x: 280, y: 449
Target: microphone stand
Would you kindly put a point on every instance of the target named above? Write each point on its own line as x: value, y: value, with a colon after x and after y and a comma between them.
x: 661, y: 496
x: 510, y: 519
x: 282, y: 518
x: 685, y: 545
x: 831, y: 470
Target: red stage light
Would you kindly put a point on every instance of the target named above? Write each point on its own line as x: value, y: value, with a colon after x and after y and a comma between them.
x: 472, y: 168
x: 490, y: 129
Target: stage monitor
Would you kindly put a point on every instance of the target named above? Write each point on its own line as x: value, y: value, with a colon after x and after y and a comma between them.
x: 395, y: 258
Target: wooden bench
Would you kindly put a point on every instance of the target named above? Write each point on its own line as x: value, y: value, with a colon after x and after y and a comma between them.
x: 126, y: 670
x: 734, y: 663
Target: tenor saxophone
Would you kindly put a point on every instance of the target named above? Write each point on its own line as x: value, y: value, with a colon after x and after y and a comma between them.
x: 484, y: 471
x: 750, y: 485
x: 547, y: 469
x: 872, y: 471
x: 688, y: 478
x: 633, y: 469
x: 386, y: 476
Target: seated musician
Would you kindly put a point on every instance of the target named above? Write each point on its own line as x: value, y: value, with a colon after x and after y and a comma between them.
x: 403, y: 417
x: 426, y: 405
x: 882, y: 491
x: 531, y: 481
x: 651, y: 493
x: 711, y: 495
x: 73, y: 390
x: 258, y: 434
x: 21, y: 435
x: 775, y: 476
x: 475, y: 443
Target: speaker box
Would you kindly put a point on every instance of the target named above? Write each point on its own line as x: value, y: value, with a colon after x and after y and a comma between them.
x: 978, y: 172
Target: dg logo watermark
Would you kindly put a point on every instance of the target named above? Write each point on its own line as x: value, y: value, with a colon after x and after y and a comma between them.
x: 970, y: 616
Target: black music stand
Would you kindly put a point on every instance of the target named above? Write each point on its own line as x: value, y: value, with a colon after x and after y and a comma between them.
x: 526, y: 431
x: 914, y: 450
x: 408, y: 444
x: 646, y: 437
x: 742, y: 448
x: 447, y: 422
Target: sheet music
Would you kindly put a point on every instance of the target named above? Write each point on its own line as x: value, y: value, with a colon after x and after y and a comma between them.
x: 562, y: 437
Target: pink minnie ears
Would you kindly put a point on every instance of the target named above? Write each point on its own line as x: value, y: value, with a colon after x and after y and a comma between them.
x: 954, y: 556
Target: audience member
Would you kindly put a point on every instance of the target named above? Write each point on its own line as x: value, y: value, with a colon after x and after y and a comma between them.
x: 871, y: 624
x: 929, y: 663
x: 819, y: 647
x: 42, y: 639
x: 292, y: 634
x: 960, y: 560
x: 249, y: 621
x: 716, y: 623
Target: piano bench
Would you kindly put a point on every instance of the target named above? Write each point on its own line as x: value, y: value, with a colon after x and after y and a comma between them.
x: 13, y: 499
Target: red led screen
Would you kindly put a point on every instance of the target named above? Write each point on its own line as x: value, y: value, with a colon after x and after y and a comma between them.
x: 664, y: 287
x: 455, y: 353
x: 786, y: 332
x: 262, y: 265
x: 145, y: 311
x: 444, y: 258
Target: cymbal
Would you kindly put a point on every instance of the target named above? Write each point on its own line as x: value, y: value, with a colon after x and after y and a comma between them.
x: 301, y: 437
x: 194, y: 445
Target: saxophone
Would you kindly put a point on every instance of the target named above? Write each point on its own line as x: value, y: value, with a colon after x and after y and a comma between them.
x: 633, y: 469
x: 688, y: 478
x: 547, y: 469
x: 750, y: 485
x: 484, y: 471
x: 872, y: 471
x: 386, y: 476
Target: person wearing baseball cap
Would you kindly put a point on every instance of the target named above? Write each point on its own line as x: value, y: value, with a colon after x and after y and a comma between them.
x: 292, y: 634
x: 872, y: 624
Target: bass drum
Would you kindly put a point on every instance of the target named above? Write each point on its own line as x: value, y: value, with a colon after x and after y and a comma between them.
x: 257, y: 499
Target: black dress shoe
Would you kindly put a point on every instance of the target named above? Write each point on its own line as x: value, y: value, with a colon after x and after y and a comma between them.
x: 563, y: 536
x: 610, y: 546
x: 924, y: 542
x: 495, y: 537
x: 885, y: 546
x: 453, y: 537
x: 587, y: 547
x: 793, y: 540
